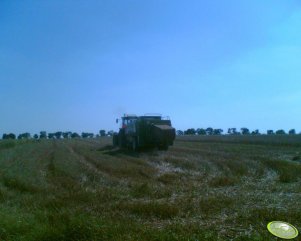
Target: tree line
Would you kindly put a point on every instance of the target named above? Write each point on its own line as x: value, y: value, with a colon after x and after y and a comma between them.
x: 191, y: 131
x: 56, y: 135
x: 232, y: 131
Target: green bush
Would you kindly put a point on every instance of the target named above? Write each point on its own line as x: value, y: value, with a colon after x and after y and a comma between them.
x: 7, y: 144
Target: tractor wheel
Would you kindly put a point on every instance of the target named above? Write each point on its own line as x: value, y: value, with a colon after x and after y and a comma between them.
x: 163, y: 147
x: 121, y: 139
x: 135, y: 144
x: 115, y: 140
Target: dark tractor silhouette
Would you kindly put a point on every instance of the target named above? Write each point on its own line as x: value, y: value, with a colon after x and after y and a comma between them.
x: 148, y: 131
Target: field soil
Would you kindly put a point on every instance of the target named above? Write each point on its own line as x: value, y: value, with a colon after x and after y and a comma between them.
x: 202, y: 188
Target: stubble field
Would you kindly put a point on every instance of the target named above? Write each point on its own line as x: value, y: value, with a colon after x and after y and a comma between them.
x: 202, y: 188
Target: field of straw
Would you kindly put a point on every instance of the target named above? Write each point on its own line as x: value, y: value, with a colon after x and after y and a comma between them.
x: 202, y: 188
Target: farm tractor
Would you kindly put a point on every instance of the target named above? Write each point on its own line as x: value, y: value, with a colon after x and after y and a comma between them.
x: 148, y: 131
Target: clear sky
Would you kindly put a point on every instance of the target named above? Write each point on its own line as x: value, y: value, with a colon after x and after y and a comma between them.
x: 78, y: 65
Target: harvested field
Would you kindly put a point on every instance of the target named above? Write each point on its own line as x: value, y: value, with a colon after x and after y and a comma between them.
x: 202, y: 188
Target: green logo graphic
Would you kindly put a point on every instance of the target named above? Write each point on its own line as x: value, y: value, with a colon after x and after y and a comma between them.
x: 282, y: 230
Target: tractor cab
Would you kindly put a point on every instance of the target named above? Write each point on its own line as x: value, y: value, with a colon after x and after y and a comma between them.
x: 128, y: 122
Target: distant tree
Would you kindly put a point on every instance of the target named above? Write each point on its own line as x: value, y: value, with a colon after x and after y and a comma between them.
x: 75, y: 135
x: 9, y: 136
x: 270, y: 132
x: 179, y: 133
x: 217, y: 131
x: 190, y: 131
x: 43, y: 135
x: 255, y: 132
x: 292, y: 132
x: 209, y: 131
x: 36, y: 136
x: 51, y: 135
x: 24, y: 136
x: 58, y: 134
x: 244, y: 131
x: 110, y: 133
x: 87, y: 135
x: 201, y: 131
x: 67, y: 135
x: 232, y: 131
x: 97, y: 136
x: 102, y: 133
x: 280, y: 132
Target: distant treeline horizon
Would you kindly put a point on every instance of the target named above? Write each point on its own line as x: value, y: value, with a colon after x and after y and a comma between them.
x: 57, y: 135
x: 190, y: 131
x: 233, y: 131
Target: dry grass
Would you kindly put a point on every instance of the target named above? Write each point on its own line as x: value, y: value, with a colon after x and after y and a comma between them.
x: 220, y: 188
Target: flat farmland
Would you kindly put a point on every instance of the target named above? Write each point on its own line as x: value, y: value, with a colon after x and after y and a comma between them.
x: 202, y: 188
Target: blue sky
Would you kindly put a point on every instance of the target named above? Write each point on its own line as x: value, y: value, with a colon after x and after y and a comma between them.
x: 77, y: 65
